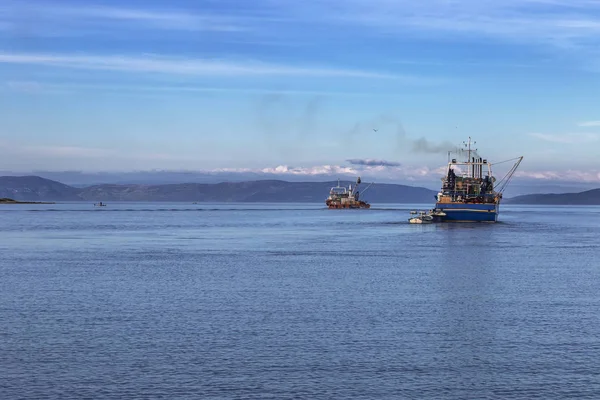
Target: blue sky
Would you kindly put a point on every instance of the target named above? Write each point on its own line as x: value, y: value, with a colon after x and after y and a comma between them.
x: 299, y: 87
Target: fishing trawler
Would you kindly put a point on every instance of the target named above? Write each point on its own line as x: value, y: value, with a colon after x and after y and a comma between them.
x: 342, y: 197
x: 468, y: 194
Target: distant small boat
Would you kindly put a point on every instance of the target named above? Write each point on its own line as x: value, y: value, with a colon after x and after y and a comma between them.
x: 420, y: 217
x: 426, y: 217
x: 341, y: 197
x: 101, y: 204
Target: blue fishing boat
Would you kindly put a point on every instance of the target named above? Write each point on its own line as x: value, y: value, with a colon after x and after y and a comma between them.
x: 469, y: 191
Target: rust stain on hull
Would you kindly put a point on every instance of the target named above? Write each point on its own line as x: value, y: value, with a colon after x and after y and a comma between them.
x: 347, y: 205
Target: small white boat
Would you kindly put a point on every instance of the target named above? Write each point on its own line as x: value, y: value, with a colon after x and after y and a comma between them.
x: 101, y: 204
x: 421, y: 217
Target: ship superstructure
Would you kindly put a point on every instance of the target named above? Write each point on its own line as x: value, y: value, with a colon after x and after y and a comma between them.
x: 469, y: 190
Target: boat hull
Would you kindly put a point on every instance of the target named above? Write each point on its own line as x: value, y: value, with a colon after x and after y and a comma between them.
x: 339, y: 205
x: 419, y: 220
x: 469, y: 212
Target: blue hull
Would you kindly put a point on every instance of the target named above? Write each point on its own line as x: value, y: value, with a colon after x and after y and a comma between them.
x: 469, y: 212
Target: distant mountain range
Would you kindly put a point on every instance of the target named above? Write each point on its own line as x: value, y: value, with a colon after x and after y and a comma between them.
x: 519, y: 186
x: 589, y: 197
x: 34, y: 188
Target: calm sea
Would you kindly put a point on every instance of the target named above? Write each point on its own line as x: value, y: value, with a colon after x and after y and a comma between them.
x: 272, y: 301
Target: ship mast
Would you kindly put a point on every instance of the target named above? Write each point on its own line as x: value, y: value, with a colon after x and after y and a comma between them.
x: 469, y: 153
x: 470, y: 162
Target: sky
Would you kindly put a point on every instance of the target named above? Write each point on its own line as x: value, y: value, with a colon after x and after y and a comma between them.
x: 306, y: 88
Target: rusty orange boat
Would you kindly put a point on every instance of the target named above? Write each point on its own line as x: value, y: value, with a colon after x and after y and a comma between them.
x: 342, y: 197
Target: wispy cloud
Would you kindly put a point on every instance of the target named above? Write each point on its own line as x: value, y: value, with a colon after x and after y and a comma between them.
x: 587, y: 124
x: 568, y: 138
x: 50, y: 152
x: 555, y: 23
x: 93, y: 18
x: 592, y: 176
x: 185, y: 66
x: 142, y: 89
x: 24, y: 86
x: 568, y: 26
x: 160, y: 19
x: 523, y: 20
x: 571, y: 26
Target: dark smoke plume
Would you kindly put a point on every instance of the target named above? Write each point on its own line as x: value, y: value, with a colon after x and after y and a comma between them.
x: 385, y: 124
x: 425, y: 146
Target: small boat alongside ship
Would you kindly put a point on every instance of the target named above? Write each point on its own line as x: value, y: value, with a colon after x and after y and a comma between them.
x: 426, y: 217
x: 420, y: 217
x: 468, y: 194
x: 342, y: 197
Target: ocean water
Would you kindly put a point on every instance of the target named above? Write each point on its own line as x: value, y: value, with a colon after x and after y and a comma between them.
x: 272, y: 301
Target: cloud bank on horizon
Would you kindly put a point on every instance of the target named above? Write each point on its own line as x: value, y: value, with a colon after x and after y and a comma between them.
x: 330, y: 86
x: 379, y: 170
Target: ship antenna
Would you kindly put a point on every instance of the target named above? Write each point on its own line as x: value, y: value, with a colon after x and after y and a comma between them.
x: 469, y: 153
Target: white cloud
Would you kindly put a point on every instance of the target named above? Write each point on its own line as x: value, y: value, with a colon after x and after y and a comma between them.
x: 591, y: 176
x: 65, y: 156
x: 24, y: 86
x: 82, y: 153
x: 568, y: 25
x: 309, y: 171
x: 587, y: 124
x: 568, y: 138
x: 414, y: 173
x: 35, y: 87
x: 555, y: 23
x: 161, y: 19
x: 181, y: 66
x: 571, y: 26
x: 90, y: 18
x: 388, y: 173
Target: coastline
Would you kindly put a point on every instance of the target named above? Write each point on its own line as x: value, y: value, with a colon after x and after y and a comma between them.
x: 12, y: 201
